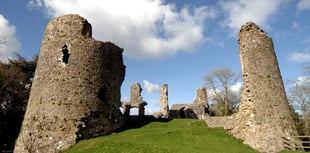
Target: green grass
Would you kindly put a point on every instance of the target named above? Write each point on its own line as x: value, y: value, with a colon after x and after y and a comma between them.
x: 175, y: 136
x: 292, y: 152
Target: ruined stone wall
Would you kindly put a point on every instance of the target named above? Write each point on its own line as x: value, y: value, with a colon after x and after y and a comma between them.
x: 201, y: 97
x: 182, y: 111
x: 200, y: 104
x: 164, y: 106
x: 264, y: 116
x: 76, y: 88
x: 135, y: 95
x: 199, y: 109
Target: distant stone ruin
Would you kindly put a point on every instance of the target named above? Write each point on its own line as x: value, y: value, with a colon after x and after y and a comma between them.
x: 76, y: 89
x: 136, y: 101
x: 164, y: 106
x: 264, y: 119
x: 182, y: 111
x: 198, y: 109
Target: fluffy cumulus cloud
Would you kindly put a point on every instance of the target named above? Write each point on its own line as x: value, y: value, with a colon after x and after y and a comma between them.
x: 241, y: 11
x: 299, y: 57
x: 9, y: 44
x: 301, y: 81
x: 236, y: 88
x: 144, y: 28
x: 151, y: 87
x: 303, y: 5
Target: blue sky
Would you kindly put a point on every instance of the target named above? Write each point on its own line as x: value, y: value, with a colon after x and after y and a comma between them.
x: 174, y: 41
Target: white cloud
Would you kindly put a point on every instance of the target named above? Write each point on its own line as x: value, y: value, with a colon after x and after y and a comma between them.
x: 241, y: 11
x: 155, y: 102
x: 299, y: 57
x: 144, y: 28
x: 295, y: 25
x: 303, y: 5
x: 34, y: 4
x: 212, y: 93
x: 301, y: 80
x: 9, y: 44
x: 236, y: 88
x: 151, y: 87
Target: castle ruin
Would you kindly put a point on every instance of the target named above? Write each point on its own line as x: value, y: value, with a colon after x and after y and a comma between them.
x: 264, y: 118
x: 76, y: 92
x: 136, y: 101
x: 198, y: 109
x: 76, y: 89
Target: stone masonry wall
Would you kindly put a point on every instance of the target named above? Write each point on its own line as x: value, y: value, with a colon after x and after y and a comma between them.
x: 264, y: 117
x: 199, y: 109
x: 201, y: 97
x: 76, y: 89
x: 164, y: 106
x: 135, y: 95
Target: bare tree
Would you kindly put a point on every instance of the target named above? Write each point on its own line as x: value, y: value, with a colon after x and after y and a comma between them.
x: 15, y: 82
x: 224, y: 100
x: 299, y: 97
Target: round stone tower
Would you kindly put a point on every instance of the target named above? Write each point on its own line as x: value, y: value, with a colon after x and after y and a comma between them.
x: 264, y: 119
x: 76, y: 88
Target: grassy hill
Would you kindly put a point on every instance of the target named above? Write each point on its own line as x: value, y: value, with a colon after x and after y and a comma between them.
x: 175, y: 136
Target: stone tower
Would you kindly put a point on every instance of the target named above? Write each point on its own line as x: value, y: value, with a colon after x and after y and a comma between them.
x: 76, y: 89
x: 136, y: 100
x: 135, y: 94
x: 264, y: 118
x: 202, y: 97
x: 200, y: 104
x: 164, y: 106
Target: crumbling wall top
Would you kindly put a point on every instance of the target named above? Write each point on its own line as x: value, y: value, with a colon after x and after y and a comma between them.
x: 71, y: 25
x: 251, y: 27
x: 135, y: 95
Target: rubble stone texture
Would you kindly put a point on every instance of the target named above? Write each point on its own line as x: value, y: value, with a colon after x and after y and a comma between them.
x: 135, y: 94
x: 164, y: 106
x: 182, y: 111
x: 198, y: 109
x: 136, y: 100
x: 264, y: 118
x: 201, y: 97
x: 200, y: 104
x: 76, y: 89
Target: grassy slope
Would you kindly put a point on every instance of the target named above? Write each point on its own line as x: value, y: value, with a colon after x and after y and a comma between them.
x: 176, y: 136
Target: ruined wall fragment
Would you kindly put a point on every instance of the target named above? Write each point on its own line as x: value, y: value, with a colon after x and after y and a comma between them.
x: 136, y: 100
x: 199, y: 109
x: 201, y: 97
x: 164, y: 106
x: 76, y: 88
x: 135, y: 94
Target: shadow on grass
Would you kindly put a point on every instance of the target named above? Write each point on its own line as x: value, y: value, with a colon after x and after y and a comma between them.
x: 133, y: 122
